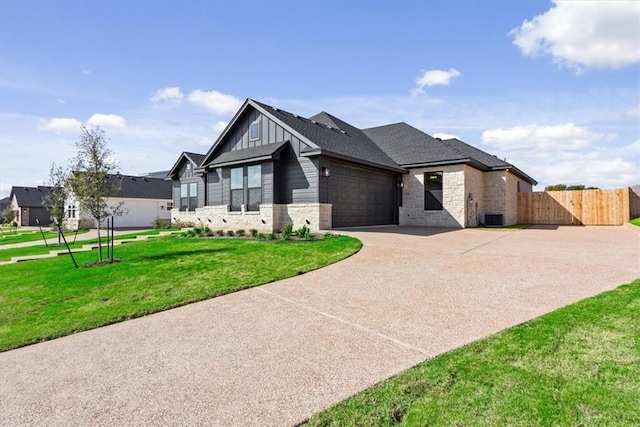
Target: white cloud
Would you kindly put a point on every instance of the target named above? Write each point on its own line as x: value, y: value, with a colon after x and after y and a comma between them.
x: 215, y: 101
x: 107, y: 121
x: 59, y: 124
x: 444, y: 136
x: 61, y: 101
x: 219, y: 126
x: 584, y: 34
x: 567, y: 136
x: 168, y: 94
x: 634, y: 112
x: 85, y: 71
x: 434, y: 78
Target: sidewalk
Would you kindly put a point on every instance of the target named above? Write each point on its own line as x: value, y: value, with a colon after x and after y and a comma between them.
x: 92, y: 234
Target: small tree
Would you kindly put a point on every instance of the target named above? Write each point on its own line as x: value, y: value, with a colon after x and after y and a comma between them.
x: 555, y: 187
x: 89, y: 180
x: 55, y: 199
x: 7, y: 215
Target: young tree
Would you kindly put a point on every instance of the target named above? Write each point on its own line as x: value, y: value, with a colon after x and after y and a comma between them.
x: 89, y: 180
x: 7, y: 215
x: 54, y: 200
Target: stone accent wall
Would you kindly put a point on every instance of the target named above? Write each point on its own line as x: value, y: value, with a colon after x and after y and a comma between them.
x: 316, y: 216
x: 474, y: 184
x: 494, y: 193
x: 453, y: 198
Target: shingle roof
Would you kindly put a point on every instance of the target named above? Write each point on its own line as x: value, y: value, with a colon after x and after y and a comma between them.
x: 261, y: 152
x: 343, y: 141
x: 29, y: 197
x: 483, y: 157
x: 194, y: 158
x: 408, y: 146
x: 138, y: 187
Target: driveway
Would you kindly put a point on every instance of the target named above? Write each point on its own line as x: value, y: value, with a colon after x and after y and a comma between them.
x: 276, y: 354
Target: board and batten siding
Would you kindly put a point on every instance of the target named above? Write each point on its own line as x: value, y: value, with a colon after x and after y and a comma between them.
x: 291, y: 179
x: 187, y: 177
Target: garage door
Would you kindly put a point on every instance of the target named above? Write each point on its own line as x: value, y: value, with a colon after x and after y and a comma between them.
x: 361, y: 196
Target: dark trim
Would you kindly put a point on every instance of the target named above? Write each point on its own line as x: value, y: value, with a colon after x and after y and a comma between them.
x: 353, y: 160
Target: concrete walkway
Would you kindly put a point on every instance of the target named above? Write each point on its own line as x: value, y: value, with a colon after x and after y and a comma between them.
x: 276, y: 354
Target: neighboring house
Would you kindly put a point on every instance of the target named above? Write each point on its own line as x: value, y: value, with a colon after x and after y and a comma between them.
x: 27, y: 203
x: 140, y: 199
x: 270, y: 167
x: 4, y: 203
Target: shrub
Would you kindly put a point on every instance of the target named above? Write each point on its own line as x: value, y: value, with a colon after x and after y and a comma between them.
x: 271, y: 236
x: 207, y: 231
x: 254, y: 233
x: 230, y: 233
x: 286, y: 232
x: 191, y: 233
x: 328, y: 235
x: 161, y: 223
x: 219, y: 232
x: 261, y: 236
x: 241, y: 233
x: 300, y: 232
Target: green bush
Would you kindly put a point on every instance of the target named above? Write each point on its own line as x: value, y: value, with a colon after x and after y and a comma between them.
x: 261, y: 236
x: 271, y: 236
x: 220, y: 233
x: 230, y: 233
x: 253, y: 232
x: 241, y: 233
x: 161, y: 223
x: 286, y: 232
x: 207, y: 231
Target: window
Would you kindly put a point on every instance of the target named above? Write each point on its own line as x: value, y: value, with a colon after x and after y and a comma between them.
x: 246, y: 191
x: 71, y: 211
x: 189, y: 196
x: 254, y: 187
x: 254, y: 130
x: 169, y: 206
x: 237, y: 189
x: 433, y: 191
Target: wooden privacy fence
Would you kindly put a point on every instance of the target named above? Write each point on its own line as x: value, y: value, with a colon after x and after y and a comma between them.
x: 580, y: 207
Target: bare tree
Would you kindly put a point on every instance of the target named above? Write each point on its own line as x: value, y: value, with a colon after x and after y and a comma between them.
x: 55, y: 199
x: 89, y: 180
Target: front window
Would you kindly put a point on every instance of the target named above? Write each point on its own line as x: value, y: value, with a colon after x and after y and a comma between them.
x: 433, y: 191
x: 237, y: 189
x: 254, y: 187
x: 189, y: 196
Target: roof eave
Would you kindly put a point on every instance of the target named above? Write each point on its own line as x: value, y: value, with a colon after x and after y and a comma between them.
x: 337, y: 156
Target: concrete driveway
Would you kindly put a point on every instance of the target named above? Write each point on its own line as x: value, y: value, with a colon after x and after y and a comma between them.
x: 276, y: 354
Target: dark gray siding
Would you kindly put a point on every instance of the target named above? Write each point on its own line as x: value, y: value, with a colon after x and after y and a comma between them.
x: 296, y: 178
x: 219, y: 184
x: 187, y: 177
x: 267, y: 182
x: 214, y: 187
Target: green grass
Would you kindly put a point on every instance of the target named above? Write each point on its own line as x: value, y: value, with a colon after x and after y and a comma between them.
x: 48, y: 298
x: 30, y: 236
x: 635, y: 221
x: 7, y: 254
x: 577, y: 366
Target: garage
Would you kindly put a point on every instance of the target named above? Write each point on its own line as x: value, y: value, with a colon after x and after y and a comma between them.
x: 361, y: 197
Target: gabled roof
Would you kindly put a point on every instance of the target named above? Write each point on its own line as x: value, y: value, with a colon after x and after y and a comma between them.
x: 29, y: 197
x: 323, y: 139
x: 195, y: 159
x: 410, y: 147
x: 140, y: 187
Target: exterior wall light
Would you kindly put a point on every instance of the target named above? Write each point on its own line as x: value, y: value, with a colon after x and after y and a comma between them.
x: 326, y: 172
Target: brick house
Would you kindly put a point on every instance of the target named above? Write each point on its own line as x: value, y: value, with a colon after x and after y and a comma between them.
x: 270, y: 167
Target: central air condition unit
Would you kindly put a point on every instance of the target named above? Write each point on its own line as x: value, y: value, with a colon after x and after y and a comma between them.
x: 493, y: 219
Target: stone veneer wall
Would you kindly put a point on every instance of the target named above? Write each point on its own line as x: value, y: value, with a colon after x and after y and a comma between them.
x: 316, y: 216
x: 474, y: 184
x: 453, y: 198
x: 495, y: 193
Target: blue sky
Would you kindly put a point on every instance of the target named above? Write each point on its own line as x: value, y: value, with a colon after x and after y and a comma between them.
x: 553, y: 87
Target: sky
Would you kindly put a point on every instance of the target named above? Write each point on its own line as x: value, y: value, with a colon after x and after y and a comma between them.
x: 553, y: 87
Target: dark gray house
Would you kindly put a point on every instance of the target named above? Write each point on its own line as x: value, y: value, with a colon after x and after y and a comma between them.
x: 270, y: 167
x: 27, y: 203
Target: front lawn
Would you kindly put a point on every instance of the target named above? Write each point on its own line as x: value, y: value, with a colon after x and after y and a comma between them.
x: 577, y: 366
x: 7, y: 254
x: 635, y: 221
x: 48, y: 298
x: 32, y: 235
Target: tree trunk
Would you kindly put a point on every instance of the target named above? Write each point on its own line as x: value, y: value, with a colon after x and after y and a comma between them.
x: 99, y: 242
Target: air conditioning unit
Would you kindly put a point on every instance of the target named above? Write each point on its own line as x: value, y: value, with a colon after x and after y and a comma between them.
x: 494, y: 219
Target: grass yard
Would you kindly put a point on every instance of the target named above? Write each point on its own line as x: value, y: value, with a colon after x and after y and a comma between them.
x: 32, y: 235
x: 577, y: 366
x: 7, y: 254
x: 45, y: 299
x: 635, y: 221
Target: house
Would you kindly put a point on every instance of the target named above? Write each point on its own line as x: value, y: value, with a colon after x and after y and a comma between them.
x: 140, y: 200
x: 270, y: 167
x: 28, y: 205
